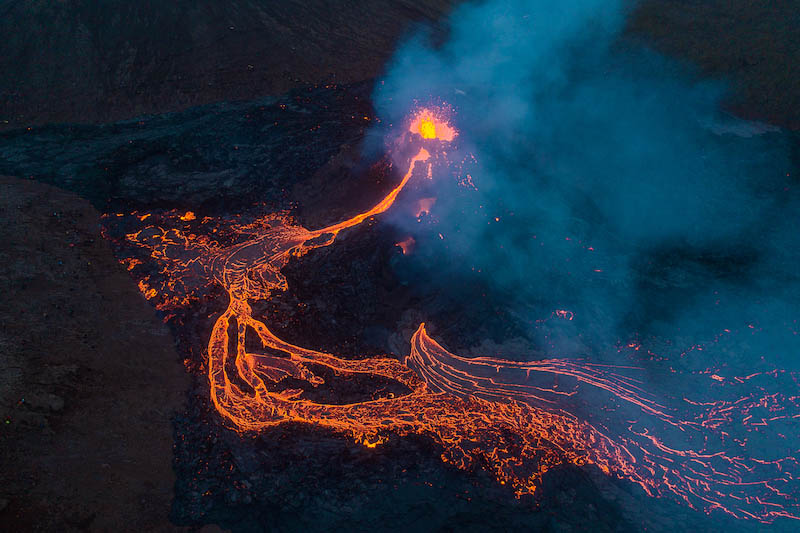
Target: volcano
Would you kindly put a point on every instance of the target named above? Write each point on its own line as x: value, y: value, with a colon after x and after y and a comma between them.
x: 346, y: 272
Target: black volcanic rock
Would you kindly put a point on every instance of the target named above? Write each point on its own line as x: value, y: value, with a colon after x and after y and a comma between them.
x: 220, y: 157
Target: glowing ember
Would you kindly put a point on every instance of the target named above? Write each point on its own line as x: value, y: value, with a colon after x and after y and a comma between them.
x: 424, y: 206
x: 407, y: 245
x: 506, y: 416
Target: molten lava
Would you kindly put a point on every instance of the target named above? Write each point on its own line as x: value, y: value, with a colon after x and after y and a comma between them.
x: 503, y: 415
x: 427, y: 124
x: 427, y: 129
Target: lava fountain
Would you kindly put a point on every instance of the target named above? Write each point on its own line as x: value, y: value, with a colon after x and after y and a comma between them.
x: 506, y: 416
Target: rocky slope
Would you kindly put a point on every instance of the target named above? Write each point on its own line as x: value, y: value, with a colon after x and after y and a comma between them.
x: 90, y: 380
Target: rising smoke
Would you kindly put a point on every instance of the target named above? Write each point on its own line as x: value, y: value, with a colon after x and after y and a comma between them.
x: 609, y: 183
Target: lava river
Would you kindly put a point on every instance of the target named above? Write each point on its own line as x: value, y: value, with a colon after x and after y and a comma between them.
x: 506, y: 416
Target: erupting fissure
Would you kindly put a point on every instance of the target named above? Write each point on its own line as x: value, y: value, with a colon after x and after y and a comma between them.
x: 505, y: 415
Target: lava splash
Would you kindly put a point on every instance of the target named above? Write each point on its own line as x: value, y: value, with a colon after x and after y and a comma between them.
x: 503, y: 415
x: 429, y: 124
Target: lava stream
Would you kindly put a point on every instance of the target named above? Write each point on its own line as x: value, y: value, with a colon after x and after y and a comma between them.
x: 501, y: 414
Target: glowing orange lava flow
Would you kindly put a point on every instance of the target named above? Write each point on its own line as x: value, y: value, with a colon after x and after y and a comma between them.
x: 503, y: 415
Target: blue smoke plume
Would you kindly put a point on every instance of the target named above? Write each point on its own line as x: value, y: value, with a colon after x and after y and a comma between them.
x: 610, y: 183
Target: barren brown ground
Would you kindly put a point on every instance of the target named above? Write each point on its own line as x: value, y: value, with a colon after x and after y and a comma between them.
x: 90, y: 375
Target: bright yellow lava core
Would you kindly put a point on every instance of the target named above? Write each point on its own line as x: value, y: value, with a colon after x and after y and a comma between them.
x: 427, y: 129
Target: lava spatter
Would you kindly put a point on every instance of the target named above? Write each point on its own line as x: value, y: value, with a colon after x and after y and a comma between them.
x: 429, y: 124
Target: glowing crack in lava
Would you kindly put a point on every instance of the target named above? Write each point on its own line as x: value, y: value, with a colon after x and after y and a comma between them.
x: 505, y: 416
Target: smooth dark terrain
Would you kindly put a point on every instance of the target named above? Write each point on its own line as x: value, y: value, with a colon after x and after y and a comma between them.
x: 102, y: 429
x: 97, y: 62
x: 102, y: 61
